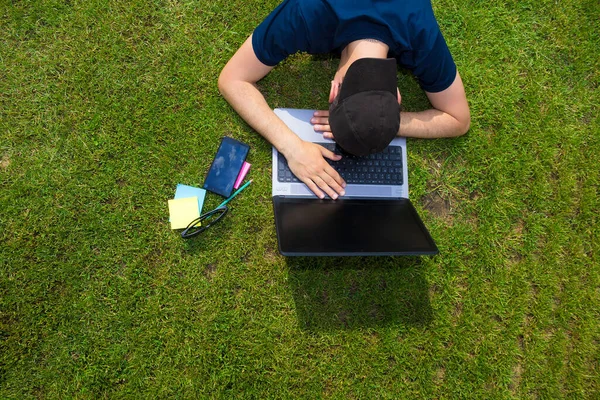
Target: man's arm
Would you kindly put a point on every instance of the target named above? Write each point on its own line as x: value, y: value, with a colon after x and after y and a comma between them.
x: 450, y: 116
x: 237, y: 84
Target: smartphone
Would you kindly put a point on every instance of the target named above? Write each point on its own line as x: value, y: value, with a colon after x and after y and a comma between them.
x: 226, y: 166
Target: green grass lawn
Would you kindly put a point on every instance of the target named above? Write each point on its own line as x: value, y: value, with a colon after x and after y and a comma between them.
x: 106, y: 105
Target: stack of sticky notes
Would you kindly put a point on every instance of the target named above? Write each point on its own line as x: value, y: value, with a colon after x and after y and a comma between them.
x: 186, y: 206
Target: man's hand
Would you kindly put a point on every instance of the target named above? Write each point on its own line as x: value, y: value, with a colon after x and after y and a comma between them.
x: 320, y: 121
x: 307, y: 163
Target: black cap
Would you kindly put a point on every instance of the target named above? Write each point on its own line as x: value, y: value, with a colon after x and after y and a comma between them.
x: 365, y: 116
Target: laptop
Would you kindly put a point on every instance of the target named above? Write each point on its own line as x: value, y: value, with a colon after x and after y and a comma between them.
x: 374, y: 218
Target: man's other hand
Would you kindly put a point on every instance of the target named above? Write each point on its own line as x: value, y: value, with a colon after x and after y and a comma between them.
x: 320, y: 122
x: 307, y: 162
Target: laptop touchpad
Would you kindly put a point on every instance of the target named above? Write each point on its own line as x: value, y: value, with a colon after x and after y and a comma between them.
x: 351, y: 190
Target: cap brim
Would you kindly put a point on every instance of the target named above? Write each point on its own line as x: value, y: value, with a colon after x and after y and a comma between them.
x: 370, y: 74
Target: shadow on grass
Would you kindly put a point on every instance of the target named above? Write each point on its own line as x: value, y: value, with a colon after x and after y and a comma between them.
x: 349, y: 293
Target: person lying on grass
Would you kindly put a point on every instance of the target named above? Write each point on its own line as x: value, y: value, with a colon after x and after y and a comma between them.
x: 364, y: 114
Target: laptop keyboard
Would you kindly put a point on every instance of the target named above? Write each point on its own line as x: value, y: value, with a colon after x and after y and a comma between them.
x: 384, y: 168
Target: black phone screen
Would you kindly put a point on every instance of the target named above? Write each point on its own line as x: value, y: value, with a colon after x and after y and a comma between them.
x: 226, y: 166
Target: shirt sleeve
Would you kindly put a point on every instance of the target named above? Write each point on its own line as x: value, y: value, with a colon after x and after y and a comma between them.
x: 435, y: 69
x: 282, y: 33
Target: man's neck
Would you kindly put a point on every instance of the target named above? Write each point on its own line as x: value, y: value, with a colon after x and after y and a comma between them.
x: 364, y: 48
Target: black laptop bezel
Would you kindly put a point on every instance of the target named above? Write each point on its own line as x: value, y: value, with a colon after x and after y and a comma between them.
x: 278, y: 200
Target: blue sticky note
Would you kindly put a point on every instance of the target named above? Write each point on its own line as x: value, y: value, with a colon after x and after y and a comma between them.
x: 184, y: 191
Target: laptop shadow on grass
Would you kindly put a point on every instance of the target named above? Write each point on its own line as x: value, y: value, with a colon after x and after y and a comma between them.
x: 341, y: 293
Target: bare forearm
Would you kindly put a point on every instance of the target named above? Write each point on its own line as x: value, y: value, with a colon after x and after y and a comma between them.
x: 250, y: 104
x: 430, y: 124
x: 305, y: 159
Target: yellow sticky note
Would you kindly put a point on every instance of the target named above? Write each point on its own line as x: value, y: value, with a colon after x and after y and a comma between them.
x: 183, y: 211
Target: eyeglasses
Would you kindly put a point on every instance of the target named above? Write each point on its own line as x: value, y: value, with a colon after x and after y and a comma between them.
x: 210, y: 218
x: 204, y: 222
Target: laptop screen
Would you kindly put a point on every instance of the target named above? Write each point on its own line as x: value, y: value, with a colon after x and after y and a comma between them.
x: 350, y: 227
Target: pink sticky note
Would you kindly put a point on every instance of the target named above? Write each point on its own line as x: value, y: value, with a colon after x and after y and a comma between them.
x: 242, y: 175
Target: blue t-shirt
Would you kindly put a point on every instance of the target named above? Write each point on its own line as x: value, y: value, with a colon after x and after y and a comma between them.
x: 408, y: 27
